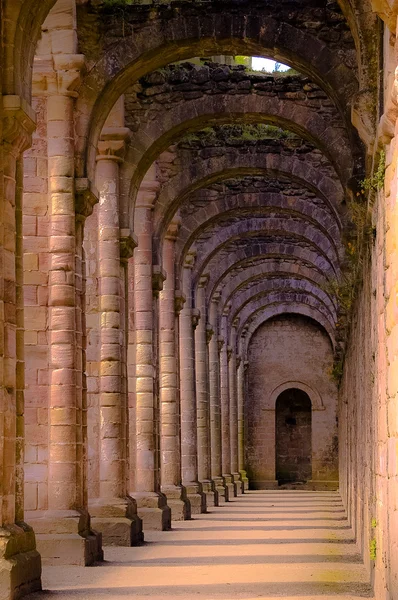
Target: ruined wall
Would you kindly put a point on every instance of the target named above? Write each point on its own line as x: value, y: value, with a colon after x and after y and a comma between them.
x: 289, y: 349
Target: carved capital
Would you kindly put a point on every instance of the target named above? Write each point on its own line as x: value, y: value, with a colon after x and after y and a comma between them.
x: 235, y: 323
x: 158, y: 277
x: 179, y: 301
x: 19, y: 122
x: 147, y: 194
x: 238, y: 361
x: 203, y: 280
x: 189, y: 260
x: 220, y: 342
x: 216, y: 297
x: 58, y: 74
x: 227, y: 309
x: 128, y: 242
x: 86, y: 196
x: 173, y: 229
x: 229, y: 352
x: 246, y: 364
x: 112, y: 144
x: 209, y: 333
x: 195, y: 317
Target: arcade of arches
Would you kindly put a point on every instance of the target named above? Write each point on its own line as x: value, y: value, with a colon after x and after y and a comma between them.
x: 198, y: 267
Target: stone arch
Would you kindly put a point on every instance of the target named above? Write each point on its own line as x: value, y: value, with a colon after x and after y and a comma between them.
x: 263, y: 314
x: 255, y: 286
x: 313, y: 394
x: 283, y: 296
x: 201, y: 173
x: 265, y: 269
x: 248, y: 229
x: 184, y: 36
x: 233, y: 255
x: 262, y: 205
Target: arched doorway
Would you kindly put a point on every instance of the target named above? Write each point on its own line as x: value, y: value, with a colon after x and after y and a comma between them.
x: 293, y: 425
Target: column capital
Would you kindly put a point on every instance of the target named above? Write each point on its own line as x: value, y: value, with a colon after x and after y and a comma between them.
x: 173, y: 229
x: 112, y: 144
x: 58, y: 74
x: 216, y: 297
x: 246, y: 364
x: 86, y: 196
x: 179, y: 301
x: 19, y: 122
x: 128, y: 242
x: 147, y: 194
x: 203, y: 280
x: 195, y: 317
x: 158, y: 277
x: 238, y: 361
x: 189, y: 260
x: 209, y: 333
x: 227, y: 309
x: 229, y: 352
x: 235, y: 323
x: 220, y: 342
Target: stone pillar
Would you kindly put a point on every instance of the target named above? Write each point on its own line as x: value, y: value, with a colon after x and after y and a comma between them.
x: 170, y: 455
x: 152, y: 506
x: 225, y: 412
x: 215, y: 401
x: 114, y: 513
x: 233, y: 409
x: 64, y: 533
x: 189, y: 445
x: 241, y: 366
x: 20, y: 566
x: 202, y: 397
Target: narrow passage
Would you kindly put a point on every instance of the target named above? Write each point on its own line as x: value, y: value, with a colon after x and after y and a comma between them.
x: 265, y: 544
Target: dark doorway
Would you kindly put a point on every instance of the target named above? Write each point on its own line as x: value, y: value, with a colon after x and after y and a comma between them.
x: 293, y: 420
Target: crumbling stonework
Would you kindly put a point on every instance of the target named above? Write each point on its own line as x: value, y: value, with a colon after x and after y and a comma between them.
x: 184, y: 242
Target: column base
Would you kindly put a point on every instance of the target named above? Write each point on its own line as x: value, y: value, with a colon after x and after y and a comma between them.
x: 20, y: 562
x: 65, y: 537
x: 196, y: 498
x: 153, y: 510
x: 209, y: 490
x: 229, y: 484
x: 222, y: 491
x: 238, y: 483
x: 245, y: 481
x: 178, y: 503
x: 117, y: 521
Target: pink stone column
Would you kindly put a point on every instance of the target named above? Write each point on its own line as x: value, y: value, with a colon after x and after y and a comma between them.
x: 233, y: 407
x: 241, y: 390
x: 215, y: 401
x: 114, y: 512
x: 20, y: 566
x: 225, y: 407
x: 202, y: 397
x: 152, y: 507
x: 189, y: 445
x: 170, y: 453
x: 65, y: 534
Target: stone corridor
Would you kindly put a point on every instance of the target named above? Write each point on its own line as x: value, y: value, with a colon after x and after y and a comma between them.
x: 199, y: 298
x: 265, y: 544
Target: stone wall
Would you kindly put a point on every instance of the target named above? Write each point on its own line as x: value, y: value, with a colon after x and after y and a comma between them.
x: 289, y: 350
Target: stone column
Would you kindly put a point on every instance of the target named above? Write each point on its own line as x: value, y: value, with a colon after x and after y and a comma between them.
x: 202, y: 397
x: 64, y: 533
x: 170, y: 455
x: 233, y: 408
x: 241, y: 365
x: 20, y: 566
x: 114, y: 513
x: 215, y: 401
x: 152, y: 507
x: 189, y: 445
x: 225, y: 411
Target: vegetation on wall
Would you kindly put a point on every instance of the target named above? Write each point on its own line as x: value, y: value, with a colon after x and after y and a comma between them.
x: 357, y: 244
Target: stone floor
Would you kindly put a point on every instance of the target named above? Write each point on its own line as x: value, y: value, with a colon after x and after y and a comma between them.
x: 283, y: 544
